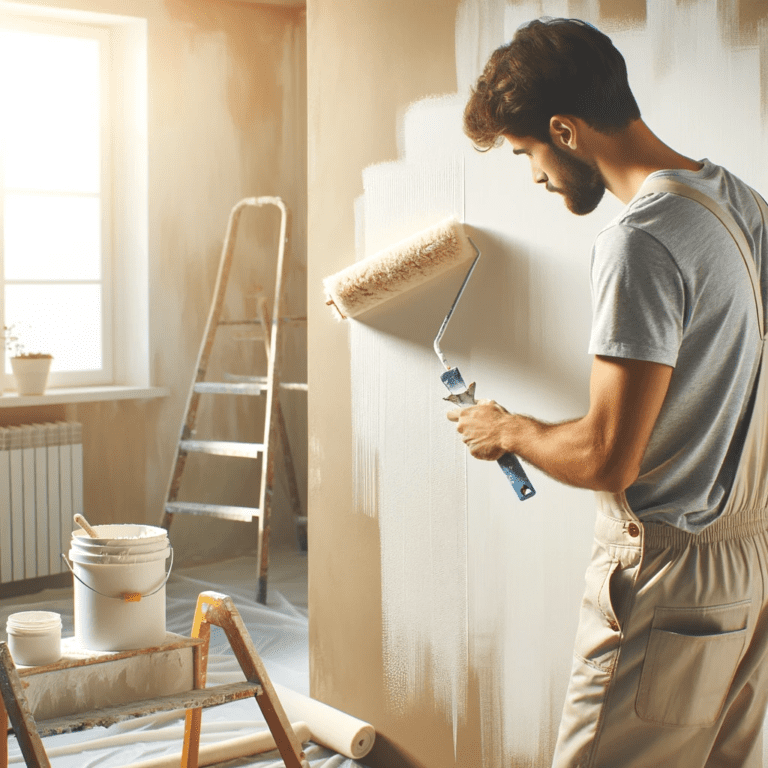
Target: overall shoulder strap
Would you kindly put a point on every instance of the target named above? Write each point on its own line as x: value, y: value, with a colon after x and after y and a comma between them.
x: 761, y: 204
x: 650, y: 186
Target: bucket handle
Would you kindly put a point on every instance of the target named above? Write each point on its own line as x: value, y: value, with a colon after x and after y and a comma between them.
x: 127, y: 597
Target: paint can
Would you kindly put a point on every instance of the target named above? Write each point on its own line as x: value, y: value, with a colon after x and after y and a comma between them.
x: 120, y: 579
x: 34, y: 637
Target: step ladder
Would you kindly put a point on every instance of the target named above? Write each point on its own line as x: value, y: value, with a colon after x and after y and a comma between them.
x: 249, y: 386
x: 213, y: 609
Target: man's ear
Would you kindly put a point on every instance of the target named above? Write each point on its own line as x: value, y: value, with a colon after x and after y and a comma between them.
x: 563, y: 130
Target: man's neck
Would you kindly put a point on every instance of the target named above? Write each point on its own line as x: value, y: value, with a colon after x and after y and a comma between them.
x: 627, y: 158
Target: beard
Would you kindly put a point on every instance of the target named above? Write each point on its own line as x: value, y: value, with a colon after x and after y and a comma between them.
x: 582, y: 184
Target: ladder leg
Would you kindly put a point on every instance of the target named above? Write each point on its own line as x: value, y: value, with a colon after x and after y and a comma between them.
x: 193, y: 721
x: 266, y: 509
x: 204, y: 354
x: 3, y: 736
x: 268, y: 463
x: 219, y: 609
x: 290, y: 473
x: 273, y: 382
x: 290, y: 470
x: 19, y: 714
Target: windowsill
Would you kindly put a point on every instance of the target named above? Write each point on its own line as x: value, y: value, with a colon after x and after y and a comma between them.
x: 64, y: 395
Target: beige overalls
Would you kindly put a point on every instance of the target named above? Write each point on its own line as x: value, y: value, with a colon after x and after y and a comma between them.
x: 671, y: 655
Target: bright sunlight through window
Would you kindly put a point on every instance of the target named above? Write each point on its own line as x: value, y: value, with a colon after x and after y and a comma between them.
x: 52, y: 161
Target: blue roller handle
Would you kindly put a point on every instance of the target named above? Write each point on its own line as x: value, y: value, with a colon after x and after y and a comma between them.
x: 515, y: 473
x: 465, y: 396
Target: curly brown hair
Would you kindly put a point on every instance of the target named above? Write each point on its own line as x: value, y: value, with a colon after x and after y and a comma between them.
x: 550, y: 67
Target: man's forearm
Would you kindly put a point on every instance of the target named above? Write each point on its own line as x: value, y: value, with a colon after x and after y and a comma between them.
x: 602, y: 450
x: 568, y: 451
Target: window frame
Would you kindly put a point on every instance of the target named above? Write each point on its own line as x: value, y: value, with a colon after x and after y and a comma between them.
x: 124, y: 178
x: 70, y: 29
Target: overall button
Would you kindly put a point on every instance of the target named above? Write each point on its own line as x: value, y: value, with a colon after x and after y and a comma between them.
x: 633, y: 530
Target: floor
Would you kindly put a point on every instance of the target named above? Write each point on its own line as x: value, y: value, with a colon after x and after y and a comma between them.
x: 279, y: 631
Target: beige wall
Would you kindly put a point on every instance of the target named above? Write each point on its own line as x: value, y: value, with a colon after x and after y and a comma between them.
x: 226, y: 120
x: 442, y: 609
x: 367, y: 61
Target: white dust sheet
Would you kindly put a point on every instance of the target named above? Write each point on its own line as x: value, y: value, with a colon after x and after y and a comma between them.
x: 279, y: 631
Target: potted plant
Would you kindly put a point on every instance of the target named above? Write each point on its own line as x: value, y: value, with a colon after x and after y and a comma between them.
x: 30, y: 369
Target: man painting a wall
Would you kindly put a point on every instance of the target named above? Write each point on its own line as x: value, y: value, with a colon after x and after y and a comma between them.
x: 669, y: 658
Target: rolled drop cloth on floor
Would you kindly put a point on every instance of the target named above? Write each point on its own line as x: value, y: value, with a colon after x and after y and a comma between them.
x: 330, y: 727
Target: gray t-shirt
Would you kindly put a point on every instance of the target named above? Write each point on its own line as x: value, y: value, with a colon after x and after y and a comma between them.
x: 669, y: 286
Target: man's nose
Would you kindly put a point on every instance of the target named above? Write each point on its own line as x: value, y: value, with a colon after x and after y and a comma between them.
x: 539, y: 177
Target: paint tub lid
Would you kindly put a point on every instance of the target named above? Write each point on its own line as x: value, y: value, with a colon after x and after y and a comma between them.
x: 33, y: 623
x: 121, y: 550
x: 119, y: 546
x: 121, y: 535
x: 126, y: 557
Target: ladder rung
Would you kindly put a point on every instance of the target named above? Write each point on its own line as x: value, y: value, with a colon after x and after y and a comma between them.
x: 257, y: 320
x: 221, y: 448
x: 201, y: 697
x: 245, y: 514
x: 245, y: 379
x: 301, y: 385
x: 230, y: 388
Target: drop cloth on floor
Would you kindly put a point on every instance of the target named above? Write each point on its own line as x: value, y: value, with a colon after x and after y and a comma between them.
x: 279, y: 631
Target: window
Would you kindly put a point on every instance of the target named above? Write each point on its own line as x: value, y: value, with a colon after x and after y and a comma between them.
x: 73, y: 141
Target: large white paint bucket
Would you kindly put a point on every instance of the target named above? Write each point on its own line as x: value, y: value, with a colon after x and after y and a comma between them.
x: 120, y: 581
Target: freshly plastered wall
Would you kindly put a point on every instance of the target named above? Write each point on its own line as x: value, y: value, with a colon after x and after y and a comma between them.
x: 443, y: 609
x: 226, y: 119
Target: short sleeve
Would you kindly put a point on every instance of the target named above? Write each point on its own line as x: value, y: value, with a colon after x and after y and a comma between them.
x: 638, y: 297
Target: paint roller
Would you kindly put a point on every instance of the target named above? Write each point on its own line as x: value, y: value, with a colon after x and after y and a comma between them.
x: 407, y: 264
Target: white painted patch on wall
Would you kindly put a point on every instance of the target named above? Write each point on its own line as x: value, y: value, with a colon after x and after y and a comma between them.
x: 367, y: 418
x: 409, y: 468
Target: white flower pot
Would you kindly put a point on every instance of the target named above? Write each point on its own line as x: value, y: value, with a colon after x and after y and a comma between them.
x: 31, y: 374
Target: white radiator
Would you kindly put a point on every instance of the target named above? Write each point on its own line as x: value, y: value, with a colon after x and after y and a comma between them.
x: 41, y: 488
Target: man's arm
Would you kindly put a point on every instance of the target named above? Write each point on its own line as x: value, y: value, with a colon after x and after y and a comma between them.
x: 602, y: 450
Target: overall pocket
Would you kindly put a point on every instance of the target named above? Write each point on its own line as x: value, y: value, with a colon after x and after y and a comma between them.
x: 690, y: 663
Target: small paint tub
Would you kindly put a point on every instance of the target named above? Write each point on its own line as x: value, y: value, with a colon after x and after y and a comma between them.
x: 34, y: 637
